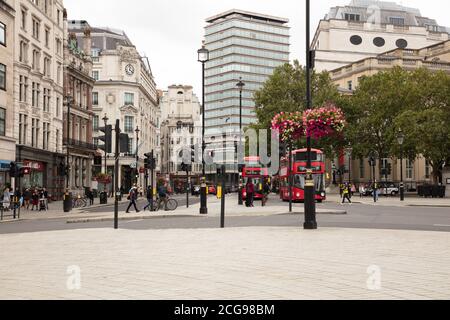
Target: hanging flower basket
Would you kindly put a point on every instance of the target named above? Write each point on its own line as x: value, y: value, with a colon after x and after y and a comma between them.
x: 289, y: 126
x: 324, y: 122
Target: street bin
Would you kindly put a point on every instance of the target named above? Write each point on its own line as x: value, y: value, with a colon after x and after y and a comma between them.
x: 103, y: 198
x: 67, y: 202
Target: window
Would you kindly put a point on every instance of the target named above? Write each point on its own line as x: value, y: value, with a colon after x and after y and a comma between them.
x: 34, y: 132
x: 409, y: 169
x: 352, y: 17
x: 356, y: 40
x: 95, y: 75
x: 96, y: 142
x: 47, y: 96
x: 2, y: 34
x: 129, y: 124
x: 57, y: 140
x: 401, y: 43
x: 35, y: 87
x: 23, y: 128
x: 95, y: 98
x: 58, y: 46
x: 45, y: 135
x: 2, y: 122
x: 58, y: 18
x: 23, y: 52
x: 47, y: 38
x: 36, y: 29
x: 129, y: 98
x: 58, y: 73
x: 95, y: 123
x: 130, y: 146
x: 58, y: 108
x: 397, y: 21
x: 95, y: 55
x: 47, y: 67
x: 35, y: 65
x: 24, y: 20
x: 2, y: 76
x: 379, y: 42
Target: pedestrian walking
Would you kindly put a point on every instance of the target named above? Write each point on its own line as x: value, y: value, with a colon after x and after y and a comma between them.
x: 90, y: 196
x: 346, y: 194
x: 35, y: 200
x: 250, y: 189
x: 6, y: 198
x: 27, y: 198
x: 133, y: 195
x: 362, y: 190
x: 163, y: 194
x: 266, y: 192
x: 149, y: 197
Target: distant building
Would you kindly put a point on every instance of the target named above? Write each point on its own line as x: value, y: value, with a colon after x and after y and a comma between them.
x: 125, y: 89
x: 243, y: 45
x: 367, y: 28
x: 180, y: 130
x: 347, y: 78
x: 78, y: 85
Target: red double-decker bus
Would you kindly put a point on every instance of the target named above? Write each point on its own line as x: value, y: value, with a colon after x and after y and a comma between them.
x: 253, y: 170
x: 298, y: 171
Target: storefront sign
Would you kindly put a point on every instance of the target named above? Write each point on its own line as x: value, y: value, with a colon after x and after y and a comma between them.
x: 34, y: 165
x: 4, y: 165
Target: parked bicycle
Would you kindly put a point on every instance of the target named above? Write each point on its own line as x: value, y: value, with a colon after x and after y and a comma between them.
x: 79, y: 202
x: 158, y: 204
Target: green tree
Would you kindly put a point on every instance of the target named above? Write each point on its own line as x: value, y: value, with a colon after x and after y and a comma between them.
x: 285, y: 91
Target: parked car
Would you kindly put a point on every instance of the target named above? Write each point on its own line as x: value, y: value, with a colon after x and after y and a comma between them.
x: 388, y: 189
x: 212, y: 190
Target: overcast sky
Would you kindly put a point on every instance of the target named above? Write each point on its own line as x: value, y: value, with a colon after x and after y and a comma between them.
x: 170, y: 32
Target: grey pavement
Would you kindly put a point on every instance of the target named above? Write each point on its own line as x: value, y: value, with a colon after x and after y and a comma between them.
x: 256, y: 263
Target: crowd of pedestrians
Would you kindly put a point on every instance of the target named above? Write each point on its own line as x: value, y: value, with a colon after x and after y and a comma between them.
x: 35, y: 197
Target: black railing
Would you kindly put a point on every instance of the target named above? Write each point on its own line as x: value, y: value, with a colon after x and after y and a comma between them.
x: 81, y: 144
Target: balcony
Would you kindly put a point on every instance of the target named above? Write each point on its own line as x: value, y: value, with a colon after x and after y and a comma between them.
x: 79, y: 144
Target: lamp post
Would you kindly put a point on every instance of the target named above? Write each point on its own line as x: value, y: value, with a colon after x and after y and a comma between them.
x: 203, y: 57
x: 350, y: 158
x: 68, y: 103
x: 137, y: 153
x: 310, y: 204
x: 241, y: 86
x: 401, y: 140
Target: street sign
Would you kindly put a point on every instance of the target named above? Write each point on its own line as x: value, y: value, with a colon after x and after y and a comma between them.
x: 133, y: 165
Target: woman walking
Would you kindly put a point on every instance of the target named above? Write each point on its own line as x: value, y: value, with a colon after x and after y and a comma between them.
x: 133, y: 198
x: 250, y: 189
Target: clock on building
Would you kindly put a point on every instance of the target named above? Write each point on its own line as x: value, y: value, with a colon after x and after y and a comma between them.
x: 129, y: 69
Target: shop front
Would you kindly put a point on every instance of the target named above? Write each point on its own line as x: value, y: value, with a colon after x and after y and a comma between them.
x: 5, y: 179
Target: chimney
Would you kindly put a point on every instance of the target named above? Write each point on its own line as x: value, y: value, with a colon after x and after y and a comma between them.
x: 87, y: 42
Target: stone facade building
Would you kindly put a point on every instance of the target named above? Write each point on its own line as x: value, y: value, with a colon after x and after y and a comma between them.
x: 78, y: 85
x: 125, y: 90
x: 7, y: 41
x: 38, y: 92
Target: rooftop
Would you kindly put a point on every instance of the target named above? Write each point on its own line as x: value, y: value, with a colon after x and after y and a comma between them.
x: 247, y: 14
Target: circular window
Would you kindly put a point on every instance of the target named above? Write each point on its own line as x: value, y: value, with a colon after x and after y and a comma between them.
x: 356, y: 40
x: 379, y: 42
x: 401, y: 43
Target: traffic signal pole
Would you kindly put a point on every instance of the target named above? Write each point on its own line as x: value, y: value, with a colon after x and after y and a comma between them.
x: 116, y: 177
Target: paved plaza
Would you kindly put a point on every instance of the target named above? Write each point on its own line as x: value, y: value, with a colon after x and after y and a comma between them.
x: 234, y: 263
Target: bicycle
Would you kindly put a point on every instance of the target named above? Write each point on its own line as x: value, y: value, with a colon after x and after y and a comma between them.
x: 79, y: 202
x: 158, y: 204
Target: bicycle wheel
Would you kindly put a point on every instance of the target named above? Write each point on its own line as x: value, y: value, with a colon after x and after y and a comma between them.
x: 172, y: 205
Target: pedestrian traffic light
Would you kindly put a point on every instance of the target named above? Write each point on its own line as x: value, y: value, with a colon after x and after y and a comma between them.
x: 107, y: 139
x: 24, y: 171
x: 12, y: 169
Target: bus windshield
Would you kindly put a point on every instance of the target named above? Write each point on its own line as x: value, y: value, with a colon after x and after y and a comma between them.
x: 299, y: 181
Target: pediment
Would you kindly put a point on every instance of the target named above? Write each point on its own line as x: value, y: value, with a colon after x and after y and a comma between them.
x: 129, y: 109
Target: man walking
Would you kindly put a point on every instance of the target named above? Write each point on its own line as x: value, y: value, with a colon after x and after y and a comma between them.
x: 149, y: 197
x: 346, y: 194
x: 133, y: 198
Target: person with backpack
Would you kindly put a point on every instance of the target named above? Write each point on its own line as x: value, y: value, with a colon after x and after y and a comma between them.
x: 133, y: 198
x: 162, y: 194
x: 250, y: 189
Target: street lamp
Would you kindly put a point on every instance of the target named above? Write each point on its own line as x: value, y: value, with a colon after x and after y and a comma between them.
x: 241, y: 86
x: 401, y: 140
x: 350, y: 158
x: 68, y: 102
x: 105, y: 121
x: 137, y: 153
x: 203, y: 57
x: 310, y: 204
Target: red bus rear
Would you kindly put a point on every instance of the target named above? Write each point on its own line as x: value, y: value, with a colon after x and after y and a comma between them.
x: 253, y: 170
x: 298, y: 172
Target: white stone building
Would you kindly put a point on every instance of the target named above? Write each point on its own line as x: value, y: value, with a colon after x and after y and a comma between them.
x: 125, y: 90
x: 367, y: 28
x: 181, y: 128
x: 38, y: 91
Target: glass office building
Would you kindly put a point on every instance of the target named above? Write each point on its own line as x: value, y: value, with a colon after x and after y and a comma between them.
x: 242, y: 45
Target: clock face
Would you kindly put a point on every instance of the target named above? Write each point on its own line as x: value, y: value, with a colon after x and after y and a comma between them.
x: 129, y: 69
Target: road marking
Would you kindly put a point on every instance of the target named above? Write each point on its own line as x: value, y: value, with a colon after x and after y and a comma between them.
x: 134, y: 221
x: 442, y: 225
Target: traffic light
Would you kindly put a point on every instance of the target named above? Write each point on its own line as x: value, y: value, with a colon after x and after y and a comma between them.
x: 192, y: 154
x: 12, y: 169
x: 107, y: 139
x: 150, y: 161
x: 124, y: 143
x: 24, y: 171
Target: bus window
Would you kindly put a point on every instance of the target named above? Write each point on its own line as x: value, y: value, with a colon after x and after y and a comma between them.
x: 299, y: 181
